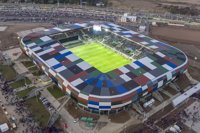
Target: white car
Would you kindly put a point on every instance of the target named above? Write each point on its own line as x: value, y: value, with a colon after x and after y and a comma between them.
x: 75, y: 121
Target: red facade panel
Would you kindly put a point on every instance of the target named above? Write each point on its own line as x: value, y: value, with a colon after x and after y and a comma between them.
x: 118, y: 72
x: 141, y: 80
x: 93, y: 99
x: 65, y: 62
x: 52, y: 52
x: 74, y: 77
x: 149, y: 90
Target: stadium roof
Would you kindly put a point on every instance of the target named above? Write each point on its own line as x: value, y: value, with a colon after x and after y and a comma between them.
x: 87, y: 82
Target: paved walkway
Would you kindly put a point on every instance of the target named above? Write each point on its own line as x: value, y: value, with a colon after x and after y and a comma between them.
x: 118, y: 127
x: 194, y: 81
x: 20, y: 68
x: 11, y: 112
x: 75, y: 128
x: 72, y: 127
x: 194, y: 112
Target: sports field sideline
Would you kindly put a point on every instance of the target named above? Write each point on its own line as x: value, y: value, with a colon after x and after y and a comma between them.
x: 100, y: 57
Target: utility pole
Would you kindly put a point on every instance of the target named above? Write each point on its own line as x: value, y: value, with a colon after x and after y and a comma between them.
x: 58, y: 3
x: 81, y: 3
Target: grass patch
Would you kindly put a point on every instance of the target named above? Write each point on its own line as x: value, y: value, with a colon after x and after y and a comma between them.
x: 33, y: 68
x: 38, y: 73
x: 27, y: 63
x: 55, y: 91
x: 8, y: 72
x: 38, y: 111
x: 24, y: 92
x: 20, y: 83
x: 102, y: 58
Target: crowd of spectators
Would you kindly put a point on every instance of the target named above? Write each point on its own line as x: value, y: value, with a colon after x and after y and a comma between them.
x: 22, y: 115
x: 191, y: 114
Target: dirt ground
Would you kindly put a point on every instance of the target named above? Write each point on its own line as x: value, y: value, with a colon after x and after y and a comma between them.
x: 139, y: 128
x: 75, y: 112
x: 194, y: 72
x: 183, y: 81
x: 177, y: 34
x: 121, y: 117
x: 8, y: 37
x: 182, y: 1
x: 186, y: 39
x: 136, y: 4
x: 150, y: 5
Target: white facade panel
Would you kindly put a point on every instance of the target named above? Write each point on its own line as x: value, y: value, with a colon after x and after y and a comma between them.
x: 52, y: 72
x: 167, y: 67
x: 160, y: 54
x: 77, y: 82
x: 45, y: 38
x: 104, y: 103
x: 160, y: 83
x: 149, y: 76
x: 169, y: 76
x: 46, y: 51
x: 52, y: 62
x: 81, y: 95
x: 135, y: 66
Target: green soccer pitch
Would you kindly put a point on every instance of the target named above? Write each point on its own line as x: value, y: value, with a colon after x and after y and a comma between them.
x: 100, y: 57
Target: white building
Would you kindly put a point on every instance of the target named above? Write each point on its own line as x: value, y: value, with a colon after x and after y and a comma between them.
x: 126, y: 18
x: 4, y: 127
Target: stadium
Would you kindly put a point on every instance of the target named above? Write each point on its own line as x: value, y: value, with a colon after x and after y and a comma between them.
x: 104, y: 67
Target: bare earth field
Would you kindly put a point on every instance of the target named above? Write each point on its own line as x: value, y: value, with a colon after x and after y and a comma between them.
x: 136, y: 4
x: 184, y: 38
x: 177, y: 34
x: 8, y: 38
x: 75, y: 112
x: 182, y: 1
x: 121, y: 117
x: 150, y: 5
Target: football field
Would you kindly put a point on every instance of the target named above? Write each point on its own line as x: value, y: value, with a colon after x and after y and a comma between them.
x: 100, y: 57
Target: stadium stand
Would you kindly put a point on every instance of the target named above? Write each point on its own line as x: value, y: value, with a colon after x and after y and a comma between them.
x: 153, y: 64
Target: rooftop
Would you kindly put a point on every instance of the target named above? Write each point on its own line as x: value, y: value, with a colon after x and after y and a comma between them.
x: 135, y: 77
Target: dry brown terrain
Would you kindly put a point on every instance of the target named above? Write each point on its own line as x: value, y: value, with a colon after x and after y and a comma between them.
x: 8, y: 37
x: 75, y: 112
x: 151, y: 5
x: 177, y: 34
x: 139, y: 128
x: 121, y: 117
x: 182, y: 1
x: 136, y: 5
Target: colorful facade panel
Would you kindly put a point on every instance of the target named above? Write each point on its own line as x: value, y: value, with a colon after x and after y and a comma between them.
x: 104, y: 91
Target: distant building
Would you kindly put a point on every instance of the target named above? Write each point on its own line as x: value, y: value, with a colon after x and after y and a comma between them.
x: 127, y: 18
x: 142, y: 28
